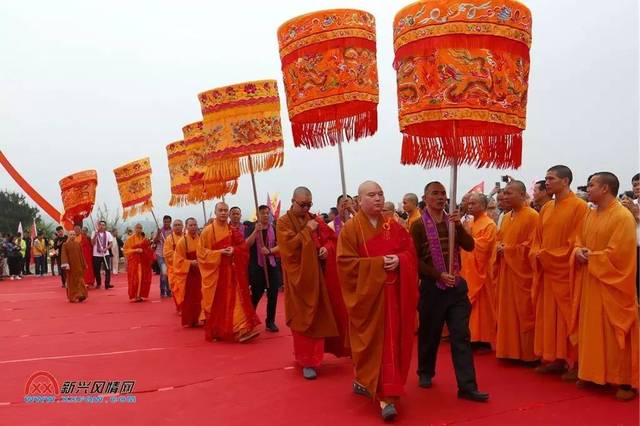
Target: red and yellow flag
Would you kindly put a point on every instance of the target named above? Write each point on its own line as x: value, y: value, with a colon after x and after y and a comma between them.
x: 134, y: 185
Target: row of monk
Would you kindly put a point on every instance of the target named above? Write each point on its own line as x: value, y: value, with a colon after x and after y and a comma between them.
x: 556, y: 287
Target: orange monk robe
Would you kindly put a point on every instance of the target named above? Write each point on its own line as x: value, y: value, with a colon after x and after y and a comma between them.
x: 413, y: 217
x: 552, y: 291
x: 477, y: 270
x: 605, y: 304
x: 314, y: 307
x: 187, y: 279
x: 73, y: 258
x: 87, y: 253
x: 381, y: 305
x: 138, y: 266
x: 516, y: 319
x: 226, y: 302
x: 168, y: 251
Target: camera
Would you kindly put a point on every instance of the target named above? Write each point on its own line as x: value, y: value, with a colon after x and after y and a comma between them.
x: 505, y: 179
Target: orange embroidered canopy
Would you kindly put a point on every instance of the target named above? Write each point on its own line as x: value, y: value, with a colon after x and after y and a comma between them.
x: 178, y: 173
x: 134, y: 186
x: 78, y: 195
x: 330, y: 76
x: 462, y: 80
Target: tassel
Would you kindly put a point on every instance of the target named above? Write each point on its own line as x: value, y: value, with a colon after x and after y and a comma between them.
x: 329, y: 133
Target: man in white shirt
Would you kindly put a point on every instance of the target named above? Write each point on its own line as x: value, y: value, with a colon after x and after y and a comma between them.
x: 102, y: 242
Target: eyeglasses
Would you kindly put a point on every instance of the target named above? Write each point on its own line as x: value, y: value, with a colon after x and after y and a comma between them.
x: 304, y: 205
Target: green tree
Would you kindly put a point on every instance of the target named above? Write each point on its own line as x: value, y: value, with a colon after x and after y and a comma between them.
x: 15, y: 209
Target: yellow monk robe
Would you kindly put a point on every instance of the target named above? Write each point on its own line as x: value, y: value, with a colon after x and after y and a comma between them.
x: 552, y: 291
x: 187, y: 279
x: 138, y: 266
x: 515, y: 314
x: 477, y: 270
x: 168, y: 251
x: 605, y: 308
x: 413, y: 217
x: 314, y: 309
x: 381, y: 304
x: 73, y: 257
x: 226, y: 302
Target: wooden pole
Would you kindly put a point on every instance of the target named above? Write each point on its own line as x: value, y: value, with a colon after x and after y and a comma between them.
x: 342, y: 178
x: 157, y: 224
x: 204, y: 213
x: 452, y: 205
x: 255, y: 201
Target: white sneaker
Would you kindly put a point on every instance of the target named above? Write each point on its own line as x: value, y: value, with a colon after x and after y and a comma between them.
x: 13, y: 278
x: 19, y: 277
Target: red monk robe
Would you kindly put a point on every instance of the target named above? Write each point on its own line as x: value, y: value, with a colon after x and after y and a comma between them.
x: 314, y: 307
x: 516, y: 319
x: 139, y: 259
x: 552, y: 290
x: 477, y: 270
x: 187, y: 279
x: 87, y: 253
x: 381, y: 305
x: 605, y: 304
x: 226, y: 302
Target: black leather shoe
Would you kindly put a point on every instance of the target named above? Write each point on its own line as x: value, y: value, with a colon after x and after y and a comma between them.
x: 272, y: 327
x: 424, y: 381
x: 389, y: 413
x: 107, y: 287
x: 475, y: 395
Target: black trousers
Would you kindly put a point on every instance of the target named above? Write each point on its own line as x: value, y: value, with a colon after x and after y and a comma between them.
x: 98, y: 264
x: 437, y: 307
x: 259, y: 285
x: 62, y: 272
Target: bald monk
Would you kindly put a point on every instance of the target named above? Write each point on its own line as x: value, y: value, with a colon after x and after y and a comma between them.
x: 345, y: 212
x: 314, y: 307
x: 552, y: 291
x: 168, y: 250
x: 84, y: 240
x: 139, y: 255
x: 605, y: 305
x: 516, y: 317
x: 410, y: 206
x: 74, y: 264
x: 379, y: 276
x: 226, y: 303
x: 466, y: 217
x: 187, y: 274
x: 477, y: 269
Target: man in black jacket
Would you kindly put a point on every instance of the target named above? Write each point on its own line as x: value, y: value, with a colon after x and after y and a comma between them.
x: 58, y: 241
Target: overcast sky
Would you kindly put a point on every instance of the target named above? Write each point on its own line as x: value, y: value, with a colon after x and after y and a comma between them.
x: 94, y: 84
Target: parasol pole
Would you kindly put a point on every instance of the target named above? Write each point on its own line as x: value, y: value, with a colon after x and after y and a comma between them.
x: 204, y: 212
x: 342, y: 178
x: 452, y: 203
x: 255, y: 201
x: 157, y: 224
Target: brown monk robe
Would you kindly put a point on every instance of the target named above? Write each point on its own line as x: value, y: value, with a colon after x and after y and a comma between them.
x: 168, y: 251
x: 552, y: 290
x: 605, y: 305
x: 72, y: 260
x: 186, y: 274
x: 516, y: 317
x: 314, y: 307
x: 379, y: 275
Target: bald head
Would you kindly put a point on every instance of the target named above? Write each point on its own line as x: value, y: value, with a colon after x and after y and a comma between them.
x: 301, y: 191
x: 371, y: 198
x: 222, y: 212
x: 367, y: 186
x: 476, y: 203
x: 410, y: 202
x: 514, y: 195
x: 518, y: 186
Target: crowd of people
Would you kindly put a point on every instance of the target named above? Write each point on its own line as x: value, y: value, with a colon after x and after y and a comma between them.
x: 547, y: 281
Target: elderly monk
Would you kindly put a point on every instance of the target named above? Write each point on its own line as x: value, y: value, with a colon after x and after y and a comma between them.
x: 605, y: 305
x: 168, y: 250
x: 477, y: 269
x: 82, y: 237
x: 389, y: 211
x: 552, y: 291
x: 345, y: 212
x: 226, y: 302
x: 443, y: 294
x: 410, y: 206
x: 187, y: 274
x: 139, y: 255
x: 314, y: 307
x: 379, y: 276
x: 74, y: 264
x: 516, y: 317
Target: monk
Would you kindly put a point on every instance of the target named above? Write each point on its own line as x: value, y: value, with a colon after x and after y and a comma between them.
x: 139, y: 255
x: 516, y: 317
x: 74, y: 264
x: 605, y: 305
x: 226, y: 302
x: 186, y: 274
x: 345, y: 212
x: 168, y: 251
x: 314, y: 308
x: 477, y: 269
x: 379, y: 275
x: 552, y: 291
x: 82, y: 237
x: 410, y: 207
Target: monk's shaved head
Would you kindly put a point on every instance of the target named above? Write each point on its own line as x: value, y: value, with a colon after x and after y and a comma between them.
x: 221, y: 204
x: 480, y: 198
x: 301, y: 191
x: 609, y: 180
x: 368, y: 186
x: 518, y: 186
x: 371, y: 198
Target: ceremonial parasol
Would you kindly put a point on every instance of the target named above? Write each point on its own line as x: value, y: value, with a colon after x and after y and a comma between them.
x: 178, y: 173
x: 462, y: 80
x: 330, y: 78
x: 78, y: 193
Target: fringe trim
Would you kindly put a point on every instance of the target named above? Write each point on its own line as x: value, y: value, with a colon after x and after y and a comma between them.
x: 179, y: 200
x: 129, y: 212
x: 329, y: 133
x: 231, y: 168
x: 220, y: 189
x: 262, y: 161
x: 497, y: 151
x: 196, y: 194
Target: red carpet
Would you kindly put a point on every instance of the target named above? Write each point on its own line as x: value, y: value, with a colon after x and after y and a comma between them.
x: 182, y: 379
